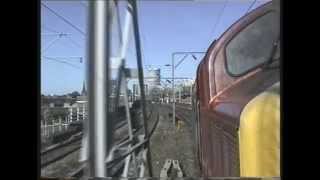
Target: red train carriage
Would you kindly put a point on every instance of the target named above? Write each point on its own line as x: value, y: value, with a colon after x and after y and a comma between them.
x: 239, y: 76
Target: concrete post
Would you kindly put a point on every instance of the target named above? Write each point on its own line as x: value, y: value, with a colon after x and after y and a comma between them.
x: 70, y: 120
x: 180, y: 94
x: 60, y: 124
x: 45, y: 128
x: 173, y: 95
x: 190, y: 94
x: 41, y: 129
x: 83, y: 112
x: 78, y: 113
x: 53, y: 127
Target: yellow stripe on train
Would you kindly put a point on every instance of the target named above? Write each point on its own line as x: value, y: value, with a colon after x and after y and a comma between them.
x: 259, y: 135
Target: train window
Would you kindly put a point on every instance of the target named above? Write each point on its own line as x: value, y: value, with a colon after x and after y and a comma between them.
x: 252, y: 46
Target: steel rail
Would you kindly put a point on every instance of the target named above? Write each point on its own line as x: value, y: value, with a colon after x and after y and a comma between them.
x: 60, y: 157
x: 137, y: 145
x: 120, y: 143
x: 60, y: 145
x: 79, y: 172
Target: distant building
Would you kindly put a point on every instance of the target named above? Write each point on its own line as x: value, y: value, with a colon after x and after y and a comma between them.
x: 82, y: 104
x: 57, y: 101
x: 54, y: 108
x: 152, y: 78
x: 84, y: 91
x: 65, y: 107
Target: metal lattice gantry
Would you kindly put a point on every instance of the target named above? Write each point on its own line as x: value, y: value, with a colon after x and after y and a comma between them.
x: 174, y: 66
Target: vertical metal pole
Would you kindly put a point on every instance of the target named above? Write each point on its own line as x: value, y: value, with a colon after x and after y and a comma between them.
x: 147, y: 90
x: 173, y: 95
x: 45, y: 129
x: 180, y: 94
x: 142, y: 166
x: 53, y: 126
x: 41, y: 128
x: 83, y: 112
x: 133, y: 92
x: 140, y: 73
x: 97, y: 77
x: 142, y: 169
x: 191, y: 93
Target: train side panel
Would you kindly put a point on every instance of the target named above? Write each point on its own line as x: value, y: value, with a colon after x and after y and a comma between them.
x: 222, y: 96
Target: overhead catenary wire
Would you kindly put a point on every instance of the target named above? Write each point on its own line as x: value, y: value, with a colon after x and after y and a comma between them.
x: 75, y: 43
x: 84, y: 4
x: 78, y: 58
x: 60, y: 61
x: 63, y: 19
x: 60, y: 35
x: 219, y: 16
x: 50, y: 44
x: 54, y: 34
x: 49, y: 29
x: 251, y: 5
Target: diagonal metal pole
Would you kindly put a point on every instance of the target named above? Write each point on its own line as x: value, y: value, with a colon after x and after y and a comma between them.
x: 141, y: 83
x: 123, y: 49
x: 180, y: 61
x: 130, y: 131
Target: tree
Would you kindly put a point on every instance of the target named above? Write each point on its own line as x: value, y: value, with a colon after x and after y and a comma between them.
x: 74, y: 94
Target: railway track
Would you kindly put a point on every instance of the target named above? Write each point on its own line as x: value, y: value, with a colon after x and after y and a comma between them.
x: 183, y: 112
x: 184, y: 106
x: 61, y: 150
x: 78, y: 173
x: 58, y: 151
x: 72, y: 139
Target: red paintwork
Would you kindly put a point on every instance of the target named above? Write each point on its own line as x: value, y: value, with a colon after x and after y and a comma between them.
x: 221, y: 99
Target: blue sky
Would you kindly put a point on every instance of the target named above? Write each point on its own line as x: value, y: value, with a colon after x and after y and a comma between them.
x: 165, y: 27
